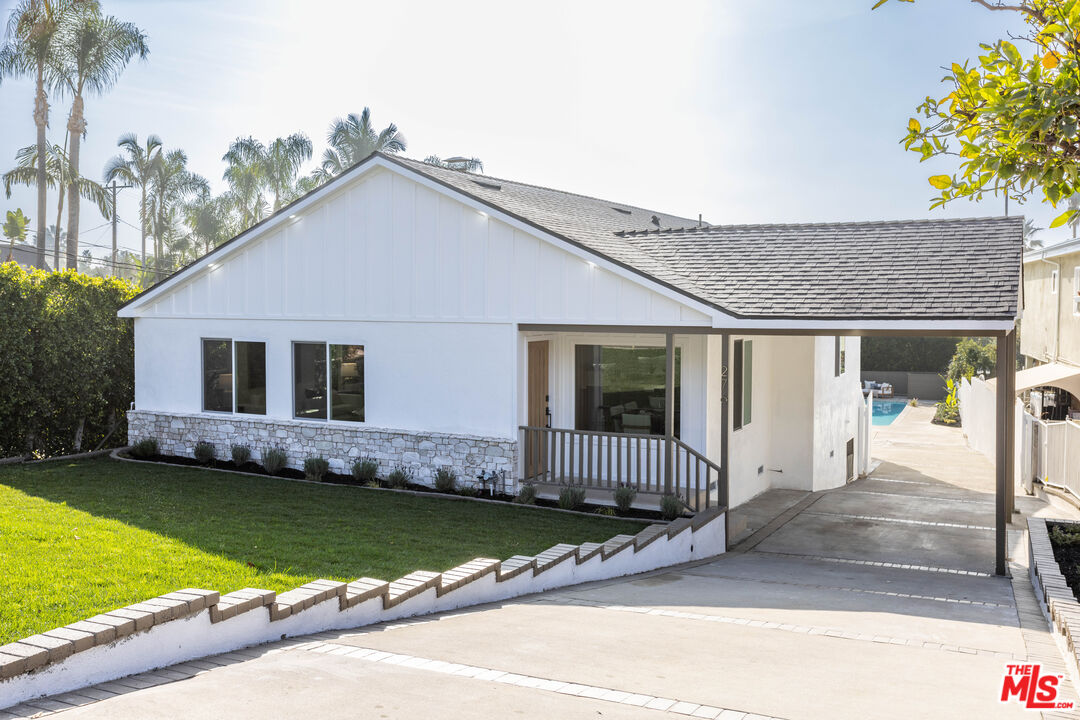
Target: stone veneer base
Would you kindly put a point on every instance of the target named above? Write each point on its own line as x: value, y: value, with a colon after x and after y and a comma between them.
x: 340, y: 443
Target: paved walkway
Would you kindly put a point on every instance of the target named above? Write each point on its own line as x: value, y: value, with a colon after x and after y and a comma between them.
x: 875, y: 600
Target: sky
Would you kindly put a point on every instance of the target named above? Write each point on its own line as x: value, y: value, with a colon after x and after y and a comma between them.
x: 744, y: 112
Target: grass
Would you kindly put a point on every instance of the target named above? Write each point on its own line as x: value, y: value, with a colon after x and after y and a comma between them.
x: 80, y: 538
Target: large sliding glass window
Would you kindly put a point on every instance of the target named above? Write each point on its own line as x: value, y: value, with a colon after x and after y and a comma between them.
x: 347, y: 378
x: 251, y: 378
x: 217, y: 375
x: 621, y: 389
x: 328, y: 381
x: 309, y: 370
x: 221, y: 385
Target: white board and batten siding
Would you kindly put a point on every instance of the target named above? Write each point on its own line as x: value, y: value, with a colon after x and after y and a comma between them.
x: 389, y: 248
x: 432, y: 287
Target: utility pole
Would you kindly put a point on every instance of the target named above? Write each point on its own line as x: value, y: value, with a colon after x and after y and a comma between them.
x: 114, y: 187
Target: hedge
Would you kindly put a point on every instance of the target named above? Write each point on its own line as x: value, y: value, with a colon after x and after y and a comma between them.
x: 906, y: 354
x: 67, y: 367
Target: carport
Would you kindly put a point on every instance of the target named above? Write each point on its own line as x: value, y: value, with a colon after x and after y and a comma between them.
x: 952, y: 278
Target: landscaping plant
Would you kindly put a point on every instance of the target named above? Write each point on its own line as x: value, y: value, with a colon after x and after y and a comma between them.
x: 241, y: 454
x: 205, y: 452
x: 670, y: 507
x: 526, y: 495
x: 571, y: 497
x: 364, y: 471
x: 399, y: 478
x: 274, y: 460
x: 145, y: 448
x: 315, y: 468
x: 948, y: 410
x: 624, y: 498
x: 445, y: 479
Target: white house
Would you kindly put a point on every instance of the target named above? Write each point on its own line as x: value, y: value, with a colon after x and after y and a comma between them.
x: 430, y: 317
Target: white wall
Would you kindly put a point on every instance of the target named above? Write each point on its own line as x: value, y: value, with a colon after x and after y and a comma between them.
x: 439, y: 377
x: 978, y: 415
x: 385, y: 247
x: 836, y: 411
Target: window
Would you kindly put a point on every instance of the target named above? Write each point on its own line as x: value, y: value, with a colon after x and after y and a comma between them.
x: 622, y: 389
x: 221, y: 385
x: 217, y: 375
x: 337, y: 394
x: 742, y: 383
x: 841, y: 355
x: 251, y: 378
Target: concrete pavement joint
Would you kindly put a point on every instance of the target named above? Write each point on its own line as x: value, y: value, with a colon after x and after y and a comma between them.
x: 904, y: 521
x: 878, y: 563
x: 801, y: 629
x: 611, y: 695
x: 896, y: 480
x: 989, y: 503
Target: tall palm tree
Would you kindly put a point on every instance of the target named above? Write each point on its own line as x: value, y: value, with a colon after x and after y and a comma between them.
x: 58, y: 173
x: 272, y: 167
x: 463, y: 164
x: 136, y: 168
x: 90, y: 56
x: 171, y: 186
x: 28, y: 51
x: 211, y: 220
x: 352, y: 139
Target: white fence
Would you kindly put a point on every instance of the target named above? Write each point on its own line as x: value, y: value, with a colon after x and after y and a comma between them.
x: 1050, y: 453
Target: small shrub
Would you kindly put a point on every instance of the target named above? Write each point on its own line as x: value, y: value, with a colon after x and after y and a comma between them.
x: 315, y: 468
x: 670, y: 507
x: 241, y: 454
x: 1065, y: 535
x: 205, y: 452
x: 526, y: 495
x: 445, y: 480
x: 913, y: 402
x: 372, y: 484
x: 469, y: 491
x: 399, y: 478
x: 274, y: 460
x: 145, y: 448
x: 571, y: 497
x: 365, y: 469
x: 624, y: 498
x: 606, y: 511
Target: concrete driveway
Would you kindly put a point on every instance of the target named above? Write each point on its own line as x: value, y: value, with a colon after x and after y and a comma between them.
x: 875, y: 600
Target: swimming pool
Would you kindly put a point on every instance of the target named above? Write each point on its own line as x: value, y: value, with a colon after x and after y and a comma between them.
x: 885, y: 411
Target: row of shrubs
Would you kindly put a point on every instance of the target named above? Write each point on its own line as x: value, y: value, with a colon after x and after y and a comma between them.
x: 365, y: 471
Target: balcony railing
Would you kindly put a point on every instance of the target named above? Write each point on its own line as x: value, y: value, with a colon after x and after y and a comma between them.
x: 649, y: 463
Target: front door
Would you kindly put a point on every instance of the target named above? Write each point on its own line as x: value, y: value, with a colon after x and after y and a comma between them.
x: 539, y: 409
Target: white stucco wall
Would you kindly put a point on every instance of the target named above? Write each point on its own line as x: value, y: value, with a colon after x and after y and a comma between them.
x: 836, y: 412
x: 442, y: 377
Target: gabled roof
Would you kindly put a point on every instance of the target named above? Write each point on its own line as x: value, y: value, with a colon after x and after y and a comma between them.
x: 923, y: 270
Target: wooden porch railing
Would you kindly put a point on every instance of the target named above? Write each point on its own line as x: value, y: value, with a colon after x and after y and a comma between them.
x: 593, y: 459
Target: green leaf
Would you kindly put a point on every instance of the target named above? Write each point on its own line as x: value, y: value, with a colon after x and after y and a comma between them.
x: 940, y: 181
x: 1062, y: 219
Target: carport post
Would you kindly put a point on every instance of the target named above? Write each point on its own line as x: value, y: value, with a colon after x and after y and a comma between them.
x: 1004, y: 440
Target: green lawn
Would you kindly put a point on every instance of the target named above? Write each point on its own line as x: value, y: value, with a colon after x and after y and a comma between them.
x: 80, y: 538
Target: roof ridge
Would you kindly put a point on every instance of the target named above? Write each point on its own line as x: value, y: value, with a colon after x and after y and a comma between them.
x: 842, y: 223
x: 471, y: 175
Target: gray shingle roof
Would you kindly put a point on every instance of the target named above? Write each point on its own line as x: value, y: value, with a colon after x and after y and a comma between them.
x: 966, y: 269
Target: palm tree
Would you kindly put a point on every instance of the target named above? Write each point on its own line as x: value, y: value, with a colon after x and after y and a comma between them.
x: 136, y: 169
x: 211, y: 220
x: 90, y: 56
x: 15, y: 229
x: 352, y: 139
x: 28, y: 51
x: 463, y: 164
x: 272, y: 167
x: 58, y: 173
x: 171, y: 185
x: 1030, y: 231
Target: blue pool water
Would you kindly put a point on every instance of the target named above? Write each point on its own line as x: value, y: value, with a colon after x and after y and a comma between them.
x: 885, y: 411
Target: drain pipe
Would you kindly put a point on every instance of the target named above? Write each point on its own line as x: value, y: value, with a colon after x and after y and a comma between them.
x: 1057, y: 307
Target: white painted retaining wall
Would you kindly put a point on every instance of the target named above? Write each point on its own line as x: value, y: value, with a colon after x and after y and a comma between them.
x: 195, y: 635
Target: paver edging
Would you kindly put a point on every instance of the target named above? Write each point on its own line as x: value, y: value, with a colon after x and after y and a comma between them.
x: 188, y: 624
x: 1056, y: 599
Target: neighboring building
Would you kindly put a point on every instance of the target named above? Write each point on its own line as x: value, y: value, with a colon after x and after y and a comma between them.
x: 21, y: 253
x: 430, y: 317
x: 1050, y: 332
